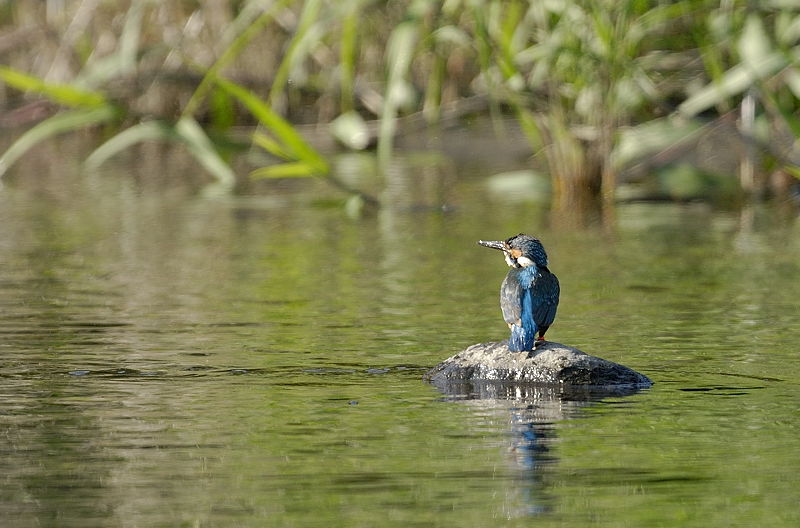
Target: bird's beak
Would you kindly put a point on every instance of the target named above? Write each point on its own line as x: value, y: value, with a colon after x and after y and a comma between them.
x: 494, y: 244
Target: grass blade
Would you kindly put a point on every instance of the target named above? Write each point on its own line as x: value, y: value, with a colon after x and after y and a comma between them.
x: 398, y: 58
x: 148, y: 131
x: 231, y: 53
x: 123, y: 60
x: 296, y: 169
x: 774, y: 107
x: 129, y: 38
x: 60, y: 93
x: 297, y: 49
x: 347, y: 55
x: 186, y: 132
x: 272, y: 146
x: 60, y: 123
x: 198, y: 144
x: 279, y: 127
x: 733, y: 82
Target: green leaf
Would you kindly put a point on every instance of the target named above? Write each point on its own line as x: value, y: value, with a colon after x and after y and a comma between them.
x: 399, y: 52
x: 278, y: 126
x: 792, y: 80
x: 148, y: 131
x: 60, y: 93
x: 787, y: 28
x: 773, y: 106
x: 186, y: 132
x: 529, y: 126
x: 298, y: 48
x: 793, y: 170
x: 128, y: 47
x: 123, y: 60
x: 754, y: 45
x: 272, y: 146
x: 735, y: 81
x: 196, y: 140
x: 222, y: 109
x: 452, y: 35
x: 347, y: 53
x: 241, y: 42
x: 64, y: 122
x: 297, y: 169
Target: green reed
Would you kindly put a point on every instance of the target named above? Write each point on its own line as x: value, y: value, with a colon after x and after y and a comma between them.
x: 578, y: 75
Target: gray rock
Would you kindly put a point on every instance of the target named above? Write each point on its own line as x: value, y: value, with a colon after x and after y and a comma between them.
x: 549, y: 364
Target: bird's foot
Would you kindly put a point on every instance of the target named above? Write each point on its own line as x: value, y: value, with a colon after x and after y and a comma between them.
x: 539, y: 342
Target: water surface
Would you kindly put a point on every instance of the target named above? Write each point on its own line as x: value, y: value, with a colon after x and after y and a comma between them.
x: 173, y: 360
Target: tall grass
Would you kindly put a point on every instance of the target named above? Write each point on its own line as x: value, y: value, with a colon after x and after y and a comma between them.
x: 578, y: 75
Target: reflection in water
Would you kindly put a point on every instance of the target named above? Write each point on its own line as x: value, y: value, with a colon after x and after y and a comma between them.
x: 532, y: 412
x: 530, y: 453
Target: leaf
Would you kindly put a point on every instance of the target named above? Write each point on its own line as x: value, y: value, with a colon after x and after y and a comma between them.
x: 754, y: 45
x: 186, y: 131
x: 398, y: 58
x: 64, y: 122
x: 60, y: 93
x: 278, y: 126
x: 347, y: 53
x: 529, y: 126
x: 733, y: 82
x: 351, y: 130
x: 272, y: 146
x: 792, y: 80
x: 196, y: 140
x: 793, y: 170
x: 129, y: 38
x: 222, y: 109
x: 452, y: 35
x: 296, y: 169
x: 774, y: 107
x: 787, y: 28
x: 297, y: 49
x: 147, y: 131
x: 123, y: 60
x: 232, y: 52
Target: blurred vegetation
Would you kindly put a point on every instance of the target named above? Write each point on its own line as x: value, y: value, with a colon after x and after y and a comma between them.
x: 597, y: 86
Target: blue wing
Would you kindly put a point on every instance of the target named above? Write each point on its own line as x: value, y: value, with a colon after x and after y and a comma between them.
x: 545, y: 292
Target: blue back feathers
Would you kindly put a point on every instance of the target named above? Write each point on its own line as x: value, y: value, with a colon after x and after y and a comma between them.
x: 529, y: 294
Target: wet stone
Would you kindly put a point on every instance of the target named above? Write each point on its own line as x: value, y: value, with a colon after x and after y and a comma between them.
x: 549, y: 364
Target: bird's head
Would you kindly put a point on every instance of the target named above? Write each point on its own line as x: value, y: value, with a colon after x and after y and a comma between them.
x: 520, y: 250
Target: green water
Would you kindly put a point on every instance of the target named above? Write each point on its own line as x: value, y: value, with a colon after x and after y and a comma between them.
x: 171, y: 360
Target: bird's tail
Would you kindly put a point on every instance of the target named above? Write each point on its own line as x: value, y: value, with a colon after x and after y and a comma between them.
x: 521, y: 338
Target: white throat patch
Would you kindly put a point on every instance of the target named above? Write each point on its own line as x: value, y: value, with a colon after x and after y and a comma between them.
x: 525, y: 262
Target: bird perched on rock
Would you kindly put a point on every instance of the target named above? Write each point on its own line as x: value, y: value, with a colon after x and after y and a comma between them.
x: 529, y: 294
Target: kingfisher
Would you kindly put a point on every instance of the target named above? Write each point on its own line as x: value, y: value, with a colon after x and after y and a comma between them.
x: 529, y: 294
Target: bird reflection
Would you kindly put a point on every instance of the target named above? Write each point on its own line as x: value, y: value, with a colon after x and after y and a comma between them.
x: 534, y: 413
x: 531, y: 458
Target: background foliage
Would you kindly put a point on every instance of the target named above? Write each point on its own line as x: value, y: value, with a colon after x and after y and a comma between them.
x: 596, y: 85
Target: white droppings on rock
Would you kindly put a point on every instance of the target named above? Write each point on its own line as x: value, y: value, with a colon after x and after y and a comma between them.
x: 548, y: 363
